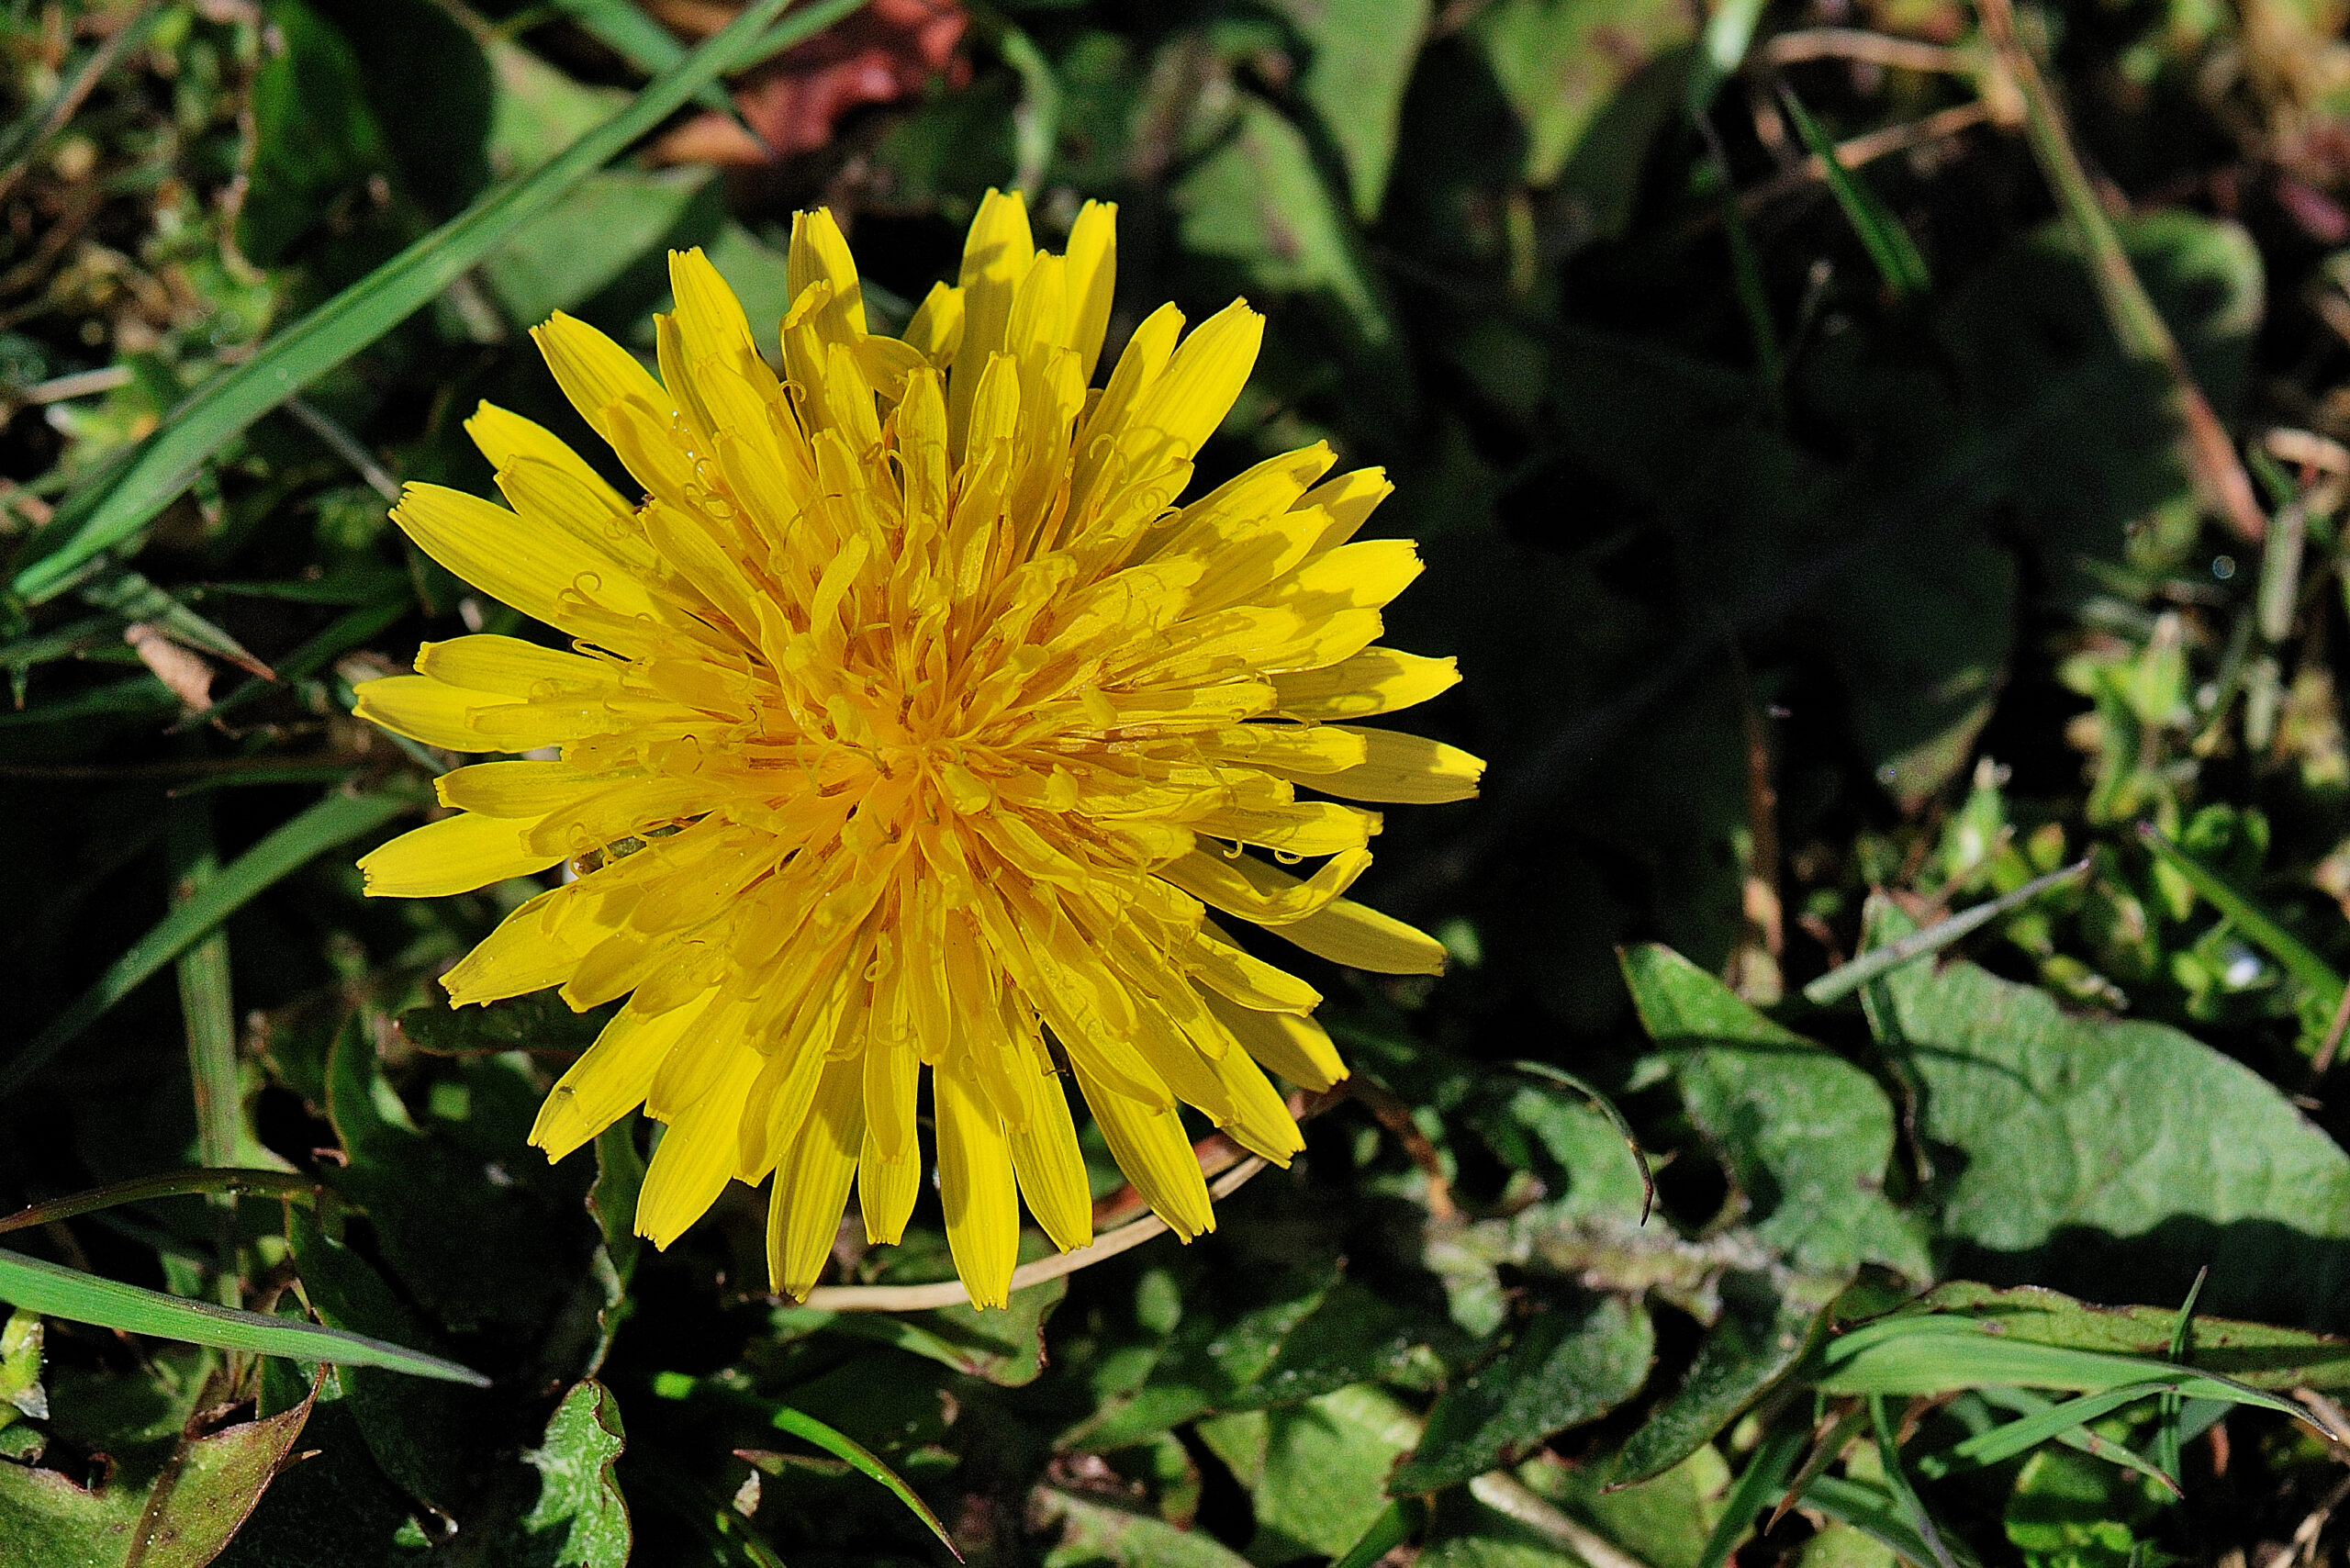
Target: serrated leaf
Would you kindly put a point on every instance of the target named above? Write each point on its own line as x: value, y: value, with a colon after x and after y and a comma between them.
x: 1805, y: 1134
x: 580, y: 1517
x: 1568, y: 1365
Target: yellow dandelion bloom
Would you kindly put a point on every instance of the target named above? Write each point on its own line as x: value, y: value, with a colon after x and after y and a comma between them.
x: 909, y: 723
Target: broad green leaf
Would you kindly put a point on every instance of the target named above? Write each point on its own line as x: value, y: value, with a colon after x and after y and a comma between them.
x: 1391, y: 1529
x: 1319, y: 1487
x: 337, y: 1494
x: 574, y: 249
x: 526, y: 1241
x: 1359, y: 56
x: 2112, y: 1156
x: 1258, y: 201
x: 1096, y: 1532
x: 1591, y: 81
x: 334, y: 822
x: 1569, y: 1365
x: 114, y: 507
x: 56, y: 1292
x: 1807, y: 1135
x: 314, y: 135
x: 426, y: 1441
x: 1758, y: 1340
x: 2069, y: 1511
x: 176, y: 1508
x: 580, y: 1509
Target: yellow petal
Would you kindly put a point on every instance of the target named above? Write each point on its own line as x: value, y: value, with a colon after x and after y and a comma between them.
x: 997, y: 254
x: 885, y: 1190
x: 811, y: 1181
x: 1309, y: 827
x: 820, y: 254
x: 1347, y: 501
x: 937, y: 326
x: 1241, y: 885
x: 1092, y: 279
x: 512, y: 789
x: 505, y: 437
x: 1243, y: 978
x: 1362, y: 938
x: 1206, y: 376
x: 1260, y: 1122
x: 611, y: 1078
x: 975, y: 1182
x: 537, y: 945
x: 455, y: 855
x: 1377, y: 680
x: 424, y: 710
x: 542, y: 570
x: 1395, y: 766
x: 1295, y: 1047
x: 512, y: 667
x: 696, y: 1156
x: 1150, y: 1147
x: 1050, y: 1167
x: 595, y: 373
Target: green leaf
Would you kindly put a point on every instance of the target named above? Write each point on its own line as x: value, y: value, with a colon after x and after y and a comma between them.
x: 1592, y: 81
x: 526, y: 1240
x: 1759, y: 1339
x: 1805, y: 1134
x: 1879, y: 1517
x: 2116, y: 1155
x: 1258, y: 201
x: 314, y: 134
x: 56, y: 1292
x: 579, y: 1499
x: 1359, y: 60
x: 335, y: 821
x: 1004, y: 1346
x: 109, y: 510
x: 1096, y: 1532
x: 569, y: 253
x: 1319, y: 1488
x: 1567, y: 1366
x: 176, y: 1510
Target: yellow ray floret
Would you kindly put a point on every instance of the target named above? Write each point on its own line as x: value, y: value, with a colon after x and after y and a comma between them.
x: 909, y: 734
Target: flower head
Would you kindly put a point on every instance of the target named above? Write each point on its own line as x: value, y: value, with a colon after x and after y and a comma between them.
x: 909, y: 723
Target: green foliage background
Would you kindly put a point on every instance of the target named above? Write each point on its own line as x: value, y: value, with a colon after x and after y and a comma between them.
x: 1823, y: 558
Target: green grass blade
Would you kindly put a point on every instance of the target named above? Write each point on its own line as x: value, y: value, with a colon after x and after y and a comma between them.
x: 172, y: 1184
x: 1896, y: 1481
x: 2258, y: 926
x: 1757, y: 1485
x: 109, y: 513
x: 2166, y: 1440
x: 1846, y: 978
x: 2006, y: 1441
x: 861, y: 1459
x: 644, y: 43
x: 1875, y: 1515
x: 57, y: 1292
x: 1391, y: 1529
x: 1897, y: 256
x: 334, y: 821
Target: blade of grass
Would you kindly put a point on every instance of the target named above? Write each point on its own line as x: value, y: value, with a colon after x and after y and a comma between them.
x: 2074, y: 1435
x: 860, y: 1459
x: 1846, y: 978
x: 208, y: 1012
x: 1875, y: 1515
x: 1896, y: 1481
x: 2260, y: 927
x: 1888, y: 244
x: 644, y: 43
x: 1764, y: 1475
x: 1391, y: 1529
x: 2210, y: 456
x: 172, y: 1184
x: 54, y: 1291
x: 334, y: 821
x: 2012, y: 1438
x: 1606, y: 1107
x: 2166, y: 1442
x: 113, y: 507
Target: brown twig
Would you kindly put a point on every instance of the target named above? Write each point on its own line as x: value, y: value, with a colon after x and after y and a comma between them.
x: 1871, y: 48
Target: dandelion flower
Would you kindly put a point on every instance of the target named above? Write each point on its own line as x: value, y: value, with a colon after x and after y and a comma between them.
x: 909, y: 723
